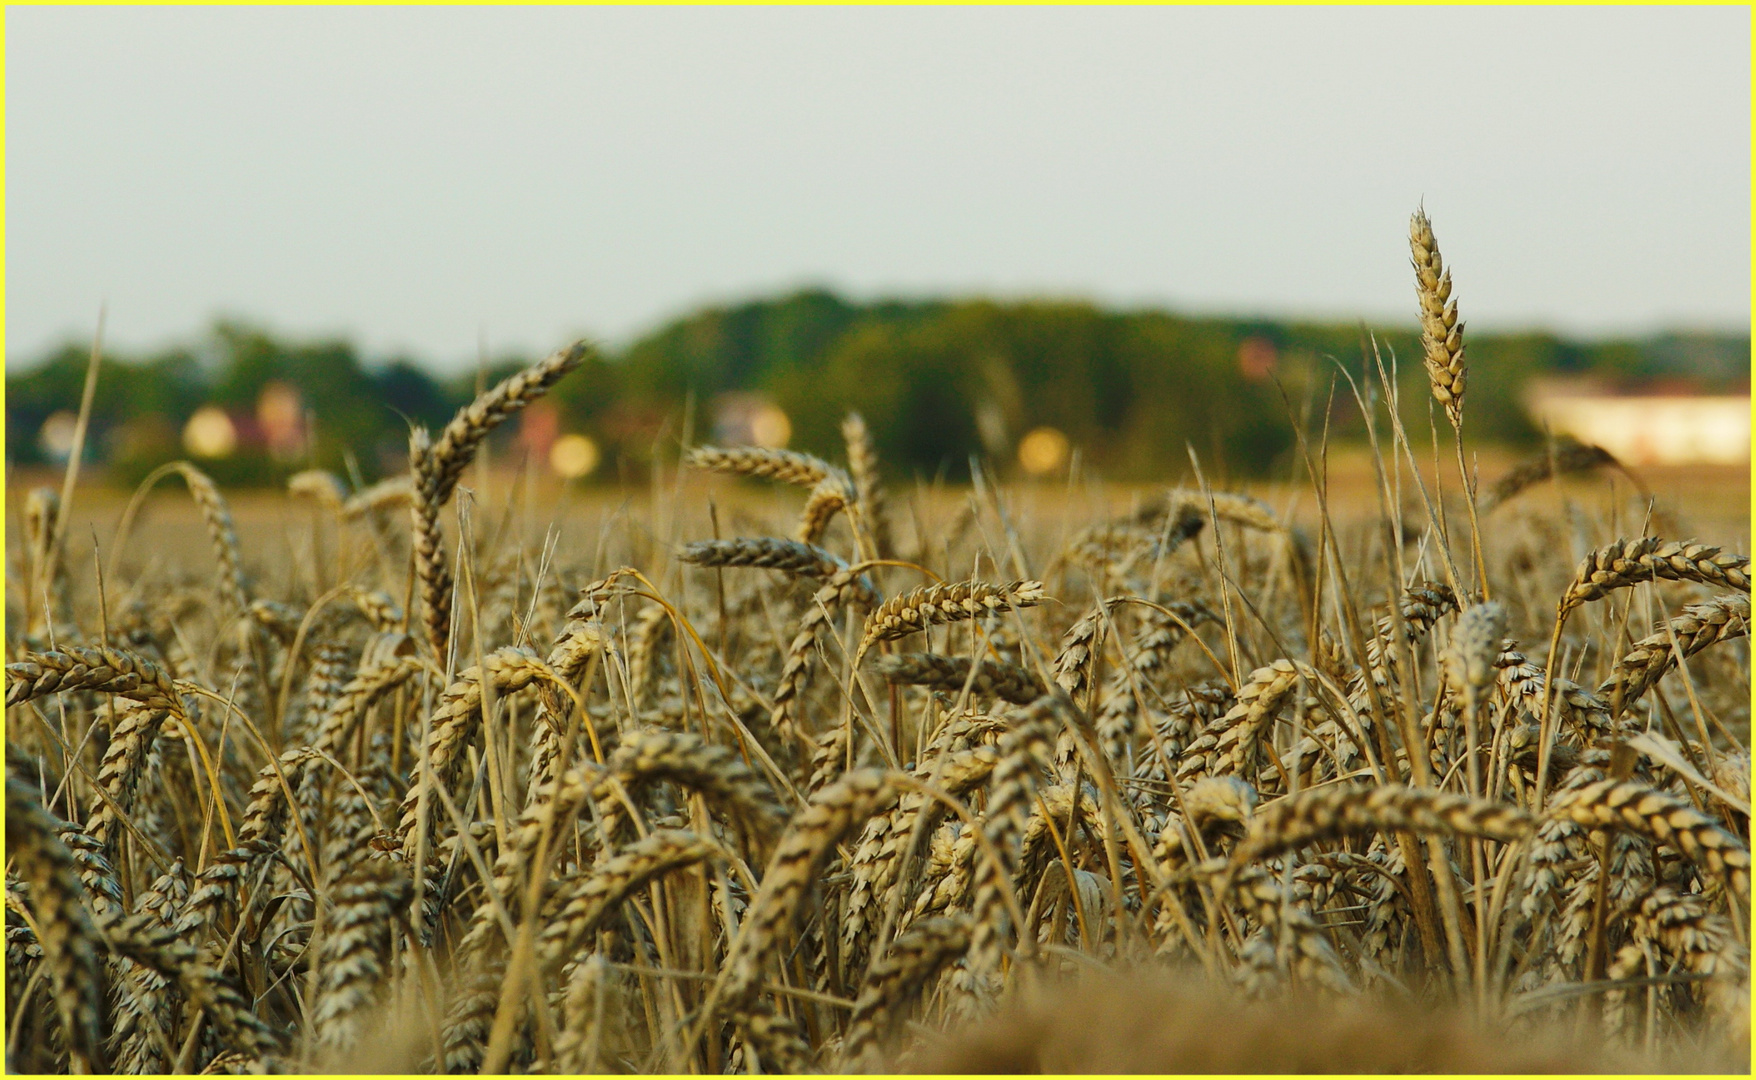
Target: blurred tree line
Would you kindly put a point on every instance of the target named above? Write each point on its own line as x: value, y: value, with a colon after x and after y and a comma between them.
x: 937, y: 382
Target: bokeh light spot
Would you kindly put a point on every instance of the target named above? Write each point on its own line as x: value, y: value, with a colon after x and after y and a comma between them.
x: 1043, y: 450
x: 573, y: 456
x: 770, y: 427
x: 210, y: 433
x: 56, y: 436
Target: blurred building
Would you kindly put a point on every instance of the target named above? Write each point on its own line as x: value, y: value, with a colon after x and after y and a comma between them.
x: 1667, y: 422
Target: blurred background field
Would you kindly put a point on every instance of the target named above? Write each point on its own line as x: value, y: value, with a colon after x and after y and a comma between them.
x: 1033, y: 388
x: 1693, y: 500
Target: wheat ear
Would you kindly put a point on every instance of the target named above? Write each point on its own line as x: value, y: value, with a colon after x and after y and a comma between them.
x: 1568, y: 456
x: 764, y: 552
x: 435, y: 467
x: 831, y: 815
x: 142, y: 1028
x: 582, y: 1011
x: 1704, y: 943
x: 149, y: 943
x: 583, y: 906
x: 454, y: 721
x: 66, y: 932
x: 1723, y: 618
x: 878, y: 856
x: 1078, y: 651
x: 1667, y: 818
x: 933, y: 605
x: 786, y: 466
x: 383, y: 495
x: 1021, y: 751
x: 1441, y: 332
x: 96, y: 669
x: 1314, y: 959
x: 993, y: 678
x: 357, y: 936
x: 137, y: 727
x: 1342, y: 809
x: 830, y: 497
x: 845, y: 587
x: 894, y: 980
x: 651, y: 630
x: 1628, y: 562
x: 218, y: 516
x: 319, y: 484
x: 863, y: 465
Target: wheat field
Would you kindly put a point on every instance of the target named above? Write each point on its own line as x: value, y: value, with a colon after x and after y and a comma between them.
x: 785, y: 769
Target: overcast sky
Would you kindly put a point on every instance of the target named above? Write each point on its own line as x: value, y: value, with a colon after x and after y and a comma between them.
x: 419, y: 179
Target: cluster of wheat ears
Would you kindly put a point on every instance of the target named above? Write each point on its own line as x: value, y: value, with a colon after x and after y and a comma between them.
x: 440, y: 801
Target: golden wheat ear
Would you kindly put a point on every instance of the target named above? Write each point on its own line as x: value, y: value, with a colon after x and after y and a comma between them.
x: 1441, y: 331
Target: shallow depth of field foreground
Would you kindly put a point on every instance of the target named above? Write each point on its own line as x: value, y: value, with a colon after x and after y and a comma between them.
x: 787, y: 768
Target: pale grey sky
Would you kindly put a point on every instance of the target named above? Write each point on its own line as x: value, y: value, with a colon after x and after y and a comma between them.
x: 418, y: 177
